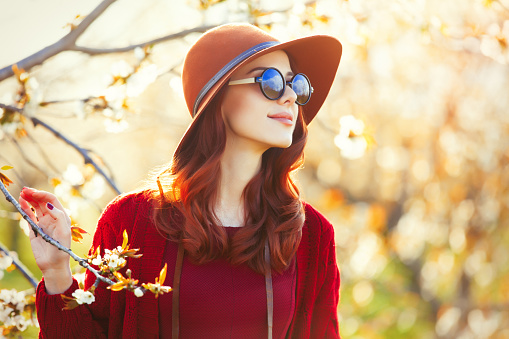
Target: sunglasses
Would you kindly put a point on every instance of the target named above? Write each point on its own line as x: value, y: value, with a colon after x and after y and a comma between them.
x: 273, y: 85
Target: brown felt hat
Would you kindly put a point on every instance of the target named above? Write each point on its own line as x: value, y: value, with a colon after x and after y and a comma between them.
x: 219, y: 52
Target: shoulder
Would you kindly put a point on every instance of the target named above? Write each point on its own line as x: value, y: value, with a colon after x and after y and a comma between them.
x: 316, y: 222
x: 126, y: 206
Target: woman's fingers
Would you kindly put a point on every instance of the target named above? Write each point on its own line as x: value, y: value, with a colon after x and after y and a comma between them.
x: 27, y: 195
x: 36, y: 197
x: 27, y: 208
x: 45, y: 197
x: 54, y: 212
x: 40, y: 199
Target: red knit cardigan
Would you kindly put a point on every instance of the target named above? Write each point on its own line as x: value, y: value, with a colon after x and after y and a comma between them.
x: 122, y: 314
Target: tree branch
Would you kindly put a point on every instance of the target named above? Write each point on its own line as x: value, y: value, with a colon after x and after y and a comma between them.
x: 87, y: 21
x: 68, y: 42
x: 19, y: 265
x: 96, y: 51
x: 38, y: 231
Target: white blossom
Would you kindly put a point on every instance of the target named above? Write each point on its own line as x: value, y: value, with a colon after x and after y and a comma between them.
x: 79, y: 109
x: 97, y: 260
x: 80, y: 277
x: 137, y: 82
x: 114, y: 261
x: 21, y: 322
x: 11, y: 127
x: 138, y: 292
x: 83, y: 297
x: 73, y: 175
x: 94, y: 188
x: 23, y: 224
x: 139, y: 53
x: 115, y: 95
x: 113, y: 126
x: 121, y: 68
x: 5, y: 261
x: 350, y: 140
x: 6, y: 296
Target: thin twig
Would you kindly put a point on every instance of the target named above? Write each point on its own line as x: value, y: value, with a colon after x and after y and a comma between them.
x: 19, y: 265
x: 42, y: 153
x: 20, y: 179
x: 38, y: 231
x: 25, y: 158
x: 84, y: 153
x: 63, y: 101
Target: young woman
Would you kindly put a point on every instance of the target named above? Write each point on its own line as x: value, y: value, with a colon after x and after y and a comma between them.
x: 248, y: 257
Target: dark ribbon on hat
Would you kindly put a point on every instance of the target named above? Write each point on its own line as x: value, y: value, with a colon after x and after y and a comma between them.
x: 238, y: 59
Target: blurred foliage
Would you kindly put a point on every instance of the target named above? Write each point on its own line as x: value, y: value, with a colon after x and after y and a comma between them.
x: 409, y: 157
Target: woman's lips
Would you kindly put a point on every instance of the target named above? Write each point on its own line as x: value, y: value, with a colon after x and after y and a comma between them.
x: 285, y: 118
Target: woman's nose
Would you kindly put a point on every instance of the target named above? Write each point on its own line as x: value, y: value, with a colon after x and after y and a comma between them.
x: 288, y: 97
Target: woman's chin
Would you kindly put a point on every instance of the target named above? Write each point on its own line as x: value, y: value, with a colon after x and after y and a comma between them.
x: 282, y: 143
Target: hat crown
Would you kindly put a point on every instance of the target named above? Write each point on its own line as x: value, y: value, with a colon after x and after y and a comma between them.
x: 213, y: 51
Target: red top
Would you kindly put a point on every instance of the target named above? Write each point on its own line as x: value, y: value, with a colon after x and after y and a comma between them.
x: 231, y: 302
x: 123, y: 315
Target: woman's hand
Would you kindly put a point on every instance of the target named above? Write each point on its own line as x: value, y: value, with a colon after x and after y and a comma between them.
x: 50, y: 216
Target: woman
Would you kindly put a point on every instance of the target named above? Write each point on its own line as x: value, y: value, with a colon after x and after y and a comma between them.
x: 248, y: 257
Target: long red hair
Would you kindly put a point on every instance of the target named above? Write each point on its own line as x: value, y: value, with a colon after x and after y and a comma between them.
x: 187, y: 189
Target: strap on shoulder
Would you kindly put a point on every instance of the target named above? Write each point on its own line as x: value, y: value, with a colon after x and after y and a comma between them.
x: 269, y: 289
x: 176, y: 292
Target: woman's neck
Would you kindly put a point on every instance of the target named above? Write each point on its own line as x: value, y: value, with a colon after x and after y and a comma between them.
x: 238, y: 166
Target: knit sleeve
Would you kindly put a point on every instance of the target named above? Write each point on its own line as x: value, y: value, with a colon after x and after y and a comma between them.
x: 85, y: 321
x: 324, y: 322
x: 57, y: 323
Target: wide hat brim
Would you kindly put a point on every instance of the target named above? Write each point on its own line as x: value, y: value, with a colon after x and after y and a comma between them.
x: 316, y: 56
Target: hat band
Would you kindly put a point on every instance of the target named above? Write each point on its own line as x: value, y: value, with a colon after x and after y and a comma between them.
x: 239, y: 58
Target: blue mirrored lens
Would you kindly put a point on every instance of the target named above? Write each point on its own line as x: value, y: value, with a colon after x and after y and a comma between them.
x: 301, y: 86
x: 272, y: 83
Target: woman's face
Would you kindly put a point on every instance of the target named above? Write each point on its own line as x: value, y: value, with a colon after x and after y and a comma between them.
x: 252, y: 119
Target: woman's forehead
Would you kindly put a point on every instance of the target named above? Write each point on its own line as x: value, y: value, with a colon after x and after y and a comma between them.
x: 277, y: 59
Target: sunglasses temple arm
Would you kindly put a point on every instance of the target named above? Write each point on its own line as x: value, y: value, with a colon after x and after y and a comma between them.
x: 243, y: 81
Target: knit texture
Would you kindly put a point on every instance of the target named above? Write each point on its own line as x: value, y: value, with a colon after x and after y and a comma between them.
x: 227, y: 301
x: 122, y: 315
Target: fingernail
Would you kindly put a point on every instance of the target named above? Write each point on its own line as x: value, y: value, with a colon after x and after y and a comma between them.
x: 50, y: 206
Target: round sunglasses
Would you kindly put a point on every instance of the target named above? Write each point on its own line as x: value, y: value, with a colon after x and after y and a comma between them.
x: 273, y: 85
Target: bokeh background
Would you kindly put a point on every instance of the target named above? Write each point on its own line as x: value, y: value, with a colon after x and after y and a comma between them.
x: 408, y: 158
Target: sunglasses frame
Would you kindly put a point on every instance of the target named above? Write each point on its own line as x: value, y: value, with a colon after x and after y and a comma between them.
x: 254, y: 80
